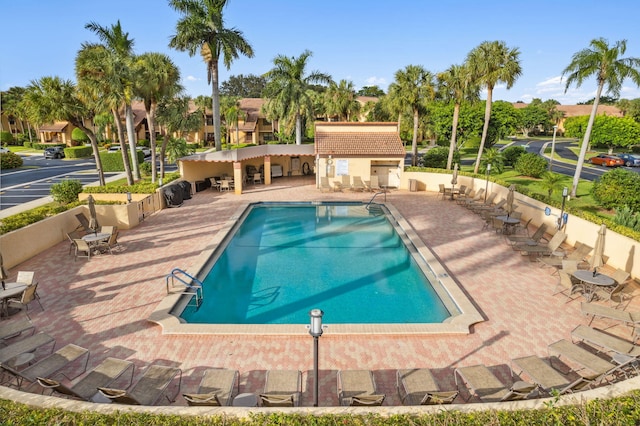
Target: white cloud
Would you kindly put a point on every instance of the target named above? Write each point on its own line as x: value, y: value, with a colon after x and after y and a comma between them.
x: 376, y: 81
x: 192, y: 78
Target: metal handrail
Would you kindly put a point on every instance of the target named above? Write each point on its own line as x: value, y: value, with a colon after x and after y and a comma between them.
x: 194, y: 287
x: 374, y: 196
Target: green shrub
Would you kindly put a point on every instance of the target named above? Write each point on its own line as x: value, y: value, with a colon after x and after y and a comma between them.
x: 27, y: 144
x: 138, y: 188
x: 67, y: 191
x: 79, y: 136
x: 145, y: 169
x: 530, y: 164
x: 6, y: 138
x: 437, y: 157
x: 112, y: 161
x: 143, y: 142
x: 635, y: 149
x: 42, y: 146
x: 10, y: 160
x: 78, y: 152
x: 511, y: 154
x: 626, y: 217
x: 616, y: 189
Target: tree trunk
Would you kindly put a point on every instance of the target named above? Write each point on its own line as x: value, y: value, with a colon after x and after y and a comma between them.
x: 585, y: 141
x: 151, y: 114
x: 298, y: 129
x: 485, y: 128
x: 414, y: 143
x: 131, y: 134
x: 123, y: 146
x: 94, y: 146
x: 163, y: 151
x: 454, y: 129
x: 215, y: 96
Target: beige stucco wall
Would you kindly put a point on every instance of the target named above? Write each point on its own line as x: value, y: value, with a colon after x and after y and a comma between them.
x: 25, y: 243
x: 356, y: 166
x: 621, y: 250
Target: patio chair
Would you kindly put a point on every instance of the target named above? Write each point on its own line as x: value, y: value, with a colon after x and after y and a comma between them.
x: 358, y: 388
x: 579, y: 254
x: 27, y: 296
x: 109, y: 244
x: 10, y: 329
x: 614, y: 295
x: 597, y: 310
x: 73, y: 235
x: 81, y: 246
x: 482, y: 383
x: 148, y: 390
x: 107, y: 372
x: 324, y: 184
x: 216, y: 388
x: 225, y: 185
x: 28, y: 344
x: 547, y: 378
x: 418, y: 387
x: 543, y: 249
x: 257, y: 178
x: 534, y: 238
x: 606, y: 341
x: 48, y: 366
x: 108, y: 229
x: 282, y: 388
x: 566, y: 286
x: 357, y: 184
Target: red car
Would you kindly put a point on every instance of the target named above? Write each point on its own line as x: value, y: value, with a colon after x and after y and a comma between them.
x: 607, y: 160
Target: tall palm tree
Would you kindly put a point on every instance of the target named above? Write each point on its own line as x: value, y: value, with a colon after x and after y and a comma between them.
x: 202, y: 103
x: 100, y: 82
x: 341, y: 100
x: 603, y: 62
x: 202, y: 28
x: 230, y: 108
x: 415, y: 87
x: 174, y: 115
x: 492, y: 62
x: 52, y: 99
x: 288, y: 88
x: 118, y: 43
x: 456, y: 85
x: 158, y: 78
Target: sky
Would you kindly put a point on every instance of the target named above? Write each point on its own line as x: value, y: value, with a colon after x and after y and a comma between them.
x: 362, y: 41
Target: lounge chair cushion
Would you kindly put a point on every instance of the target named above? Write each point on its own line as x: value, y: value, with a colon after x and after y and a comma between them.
x: 113, y: 393
x: 435, y: 398
x: 271, y: 400
x: 205, y: 399
x: 367, y: 400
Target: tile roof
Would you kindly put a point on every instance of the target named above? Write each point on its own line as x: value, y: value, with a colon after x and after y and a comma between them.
x: 578, y: 110
x: 56, y: 127
x: 358, y: 139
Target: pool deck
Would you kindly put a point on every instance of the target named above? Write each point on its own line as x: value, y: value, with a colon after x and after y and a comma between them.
x: 103, y: 304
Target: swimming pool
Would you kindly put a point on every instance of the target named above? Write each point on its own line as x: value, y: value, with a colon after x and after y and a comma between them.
x: 463, y: 312
x: 284, y: 260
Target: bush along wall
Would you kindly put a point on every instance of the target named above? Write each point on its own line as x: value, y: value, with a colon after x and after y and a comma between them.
x: 78, y: 152
x: 112, y: 161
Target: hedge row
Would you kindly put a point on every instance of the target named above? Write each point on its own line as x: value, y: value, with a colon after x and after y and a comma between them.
x: 112, y: 161
x: 138, y: 188
x: 78, y: 152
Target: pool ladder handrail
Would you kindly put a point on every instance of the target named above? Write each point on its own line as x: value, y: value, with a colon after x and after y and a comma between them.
x: 374, y: 196
x: 193, y: 287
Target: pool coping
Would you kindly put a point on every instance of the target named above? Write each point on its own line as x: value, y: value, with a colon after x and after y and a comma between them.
x: 458, y: 324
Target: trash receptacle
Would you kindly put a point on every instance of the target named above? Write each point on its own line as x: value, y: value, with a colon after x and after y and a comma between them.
x: 413, y: 185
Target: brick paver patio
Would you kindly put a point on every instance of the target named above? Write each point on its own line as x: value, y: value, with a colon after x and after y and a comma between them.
x: 103, y: 304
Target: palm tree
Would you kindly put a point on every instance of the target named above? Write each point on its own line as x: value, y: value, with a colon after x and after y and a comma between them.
x: 288, y: 89
x: 490, y: 63
x: 456, y: 85
x: 173, y: 114
x: 603, y: 62
x: 158, y: 79
x: 341, y: 100
x: 415, y: 87
x: 202, y: 27
x: 99, y: 82
x: 118, y: 43
x: 202, y: 103
x: 551, y: 182
x: 230, y: 108
x: 52, y: 99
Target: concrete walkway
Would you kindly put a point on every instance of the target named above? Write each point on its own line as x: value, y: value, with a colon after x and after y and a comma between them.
x: 103, y: 304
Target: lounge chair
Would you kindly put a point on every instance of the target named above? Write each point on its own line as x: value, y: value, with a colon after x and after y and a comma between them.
x: 148, y: 390
x: 84, y: 223
x: 543, y: 249
x: 606, y: 341
x: 358, y: 388
x: 9, y: 329
x: 374, y: 183
x: 481, y: 203
x: 482, y: 383
x: 282, y: 388
x: 48, y: 366
x: 418, y: 387
x: 579, y: 254
x: 216, y: 388
x: 596, y: 310
x: 582, y: 357
x: 107, y: 372
x: 478, y: 195
x: 548, y: 378
x: 324, y: 184
x: 357, y: 184
x: 28, y: 344
x: 463, y: 196
x: 534, y: 238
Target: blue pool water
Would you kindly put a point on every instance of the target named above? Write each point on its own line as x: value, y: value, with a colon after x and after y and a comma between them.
x: 285, y: 260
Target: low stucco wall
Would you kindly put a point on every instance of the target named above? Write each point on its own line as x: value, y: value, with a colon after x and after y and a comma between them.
x: 621, y: 250
x: 25, y: 243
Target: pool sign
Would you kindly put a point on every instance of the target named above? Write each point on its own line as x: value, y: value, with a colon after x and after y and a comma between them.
x: 547, y: 211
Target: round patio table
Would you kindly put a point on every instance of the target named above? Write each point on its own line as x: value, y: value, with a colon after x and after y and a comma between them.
x: 592, y: 281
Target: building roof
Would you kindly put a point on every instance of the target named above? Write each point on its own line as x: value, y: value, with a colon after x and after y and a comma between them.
x: 55, y: 127
x: 247, y: 153
x: 579, y: 110
x: 358, y: 140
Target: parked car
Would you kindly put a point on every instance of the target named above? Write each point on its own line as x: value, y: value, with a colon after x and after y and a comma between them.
x: 606, y: 160
x: 630, y: 160
x: 4, y: 150
x: 54, y: 152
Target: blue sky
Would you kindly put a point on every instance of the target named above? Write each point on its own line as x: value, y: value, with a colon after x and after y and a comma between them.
x: 364, y: 41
